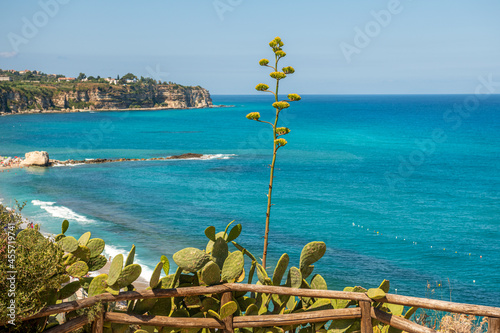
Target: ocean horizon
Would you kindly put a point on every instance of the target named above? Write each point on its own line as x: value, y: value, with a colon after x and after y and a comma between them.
x: 399, y: 187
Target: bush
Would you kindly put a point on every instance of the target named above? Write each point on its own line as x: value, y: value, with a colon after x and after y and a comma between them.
x: 39, y: 270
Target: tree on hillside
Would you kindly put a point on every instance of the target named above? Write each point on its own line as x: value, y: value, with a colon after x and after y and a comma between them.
x: 129, y: 76
x: 81, y: 76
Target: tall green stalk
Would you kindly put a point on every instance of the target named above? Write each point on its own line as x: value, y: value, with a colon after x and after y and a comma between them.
x: 276, y: 44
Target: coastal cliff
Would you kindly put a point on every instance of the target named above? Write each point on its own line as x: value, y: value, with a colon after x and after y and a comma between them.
x: 19, y: 98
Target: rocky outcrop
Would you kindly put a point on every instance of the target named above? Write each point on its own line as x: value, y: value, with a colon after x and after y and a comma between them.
x: 103, y: 96
x: 37, y: 158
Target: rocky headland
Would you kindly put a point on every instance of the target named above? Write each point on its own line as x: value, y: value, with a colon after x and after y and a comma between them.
x: 44, y: 97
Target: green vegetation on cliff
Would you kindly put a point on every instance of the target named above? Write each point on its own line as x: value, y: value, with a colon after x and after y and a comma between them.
x: 43, y: 92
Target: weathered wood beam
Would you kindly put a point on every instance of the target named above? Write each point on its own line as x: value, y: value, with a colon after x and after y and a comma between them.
x: 69, y: 326
x: 123, y: 318
x: 98, y: 324
x: 128, y: 295
x: 493, y: 325
x: 228, y: 321
x: 477, y: 310
x: 332, y: 294
x: 366, y: 317
x: 296, y: 318
x: 399, y: 322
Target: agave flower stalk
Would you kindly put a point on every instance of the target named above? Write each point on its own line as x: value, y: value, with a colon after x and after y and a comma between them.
x: 276, y: 45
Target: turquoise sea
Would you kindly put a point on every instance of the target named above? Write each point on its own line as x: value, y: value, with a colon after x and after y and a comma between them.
x: 404, y: 188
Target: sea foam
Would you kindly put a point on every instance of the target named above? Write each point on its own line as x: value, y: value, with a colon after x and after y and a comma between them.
x: 217, y: 156
x: 61, y: 211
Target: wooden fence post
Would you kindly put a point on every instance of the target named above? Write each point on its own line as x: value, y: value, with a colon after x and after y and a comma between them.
x: 493, y: 325
x: 228, y: 321
x: 98, y: 323
x: 366, y: 317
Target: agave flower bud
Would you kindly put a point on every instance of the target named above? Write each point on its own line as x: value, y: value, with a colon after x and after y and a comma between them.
x: 280, y: 105
x: 263, y: 62
x: 280, y: 53
x: 276, y: 44
x: 277, y: 75
x: 282, y: 130
x: 261, y: 87
x: 253, y: 116
x: 294, y: 97
x: 280, y: 142
x: 288, y: 70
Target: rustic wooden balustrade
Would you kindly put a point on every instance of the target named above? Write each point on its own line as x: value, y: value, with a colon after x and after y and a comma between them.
x: 365, y: 311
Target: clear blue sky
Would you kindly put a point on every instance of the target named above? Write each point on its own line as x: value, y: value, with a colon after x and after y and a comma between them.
x: 424, y: 46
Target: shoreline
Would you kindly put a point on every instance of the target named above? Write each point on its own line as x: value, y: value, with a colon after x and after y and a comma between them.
x: 69, y: 162
x: 159, y: 108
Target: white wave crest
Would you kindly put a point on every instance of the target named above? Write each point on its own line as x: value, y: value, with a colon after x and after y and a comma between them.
x: 61, y: 211
x: 113, y: 251
x: 67, y: 165
x: 217, y: 156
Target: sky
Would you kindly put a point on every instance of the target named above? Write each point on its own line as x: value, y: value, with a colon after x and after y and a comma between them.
x: 335, y: 46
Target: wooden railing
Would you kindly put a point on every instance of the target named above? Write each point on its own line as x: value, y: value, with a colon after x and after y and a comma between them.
x: 365, y: 311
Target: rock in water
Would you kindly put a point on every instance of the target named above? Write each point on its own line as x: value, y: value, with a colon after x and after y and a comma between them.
x: 38, y: 158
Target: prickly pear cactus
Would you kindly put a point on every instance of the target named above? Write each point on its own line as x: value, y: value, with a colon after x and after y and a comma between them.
x: 191, y: 259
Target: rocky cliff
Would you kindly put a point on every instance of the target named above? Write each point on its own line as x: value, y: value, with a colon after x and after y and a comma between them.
x: 33, y: 97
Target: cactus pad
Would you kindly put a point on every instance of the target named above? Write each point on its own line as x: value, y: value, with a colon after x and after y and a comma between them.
x: 69, y: 289
x: 318, y: 282
x: 375, y: 293
x: 233, y: 267
x: 78, y: 269
x: 191, y: 259
x: 115, y: 269
x: 294, y: 279
x: 166, y: 265
x: 128, y: 275
x: 97, y: 263
x: 155, y: 277
x: 98, y: 285
x: 251, y: 310
x: 209, y: 303
x: 162, y: 307
x: 144, y: 305
x: 228, y: 309
x: 96, y: 246
x: 244, y: 302
x: 84, y: 239
x: 220, y: 251
x: 130, y: 257
x: 210, y: 233
x: 394, y: 309
x: 234, y: 233
x: 261, y: 274
x: 192, y: 302
x: 385, y: 285
x: 306, y: 271
x: 311, y: 253
x: 280, y: 269
x: 64, y: 226
x: 210, y: 274
x: 68, y: 244
x: 82, y: 253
